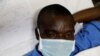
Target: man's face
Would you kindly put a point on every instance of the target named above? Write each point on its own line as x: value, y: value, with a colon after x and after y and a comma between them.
x: 58, y: 28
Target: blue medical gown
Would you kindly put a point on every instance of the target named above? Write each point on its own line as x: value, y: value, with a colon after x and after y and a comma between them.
x: 87, y: 37
x: 33, y: 53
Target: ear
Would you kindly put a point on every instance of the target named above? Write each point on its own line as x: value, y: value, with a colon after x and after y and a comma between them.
x: 36, y: 33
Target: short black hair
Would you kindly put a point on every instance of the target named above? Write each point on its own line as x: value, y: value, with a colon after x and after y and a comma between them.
x: 54, y: 9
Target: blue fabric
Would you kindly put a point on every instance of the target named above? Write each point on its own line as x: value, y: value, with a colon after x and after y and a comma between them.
x: 88, y: 37
x: 33, y: 53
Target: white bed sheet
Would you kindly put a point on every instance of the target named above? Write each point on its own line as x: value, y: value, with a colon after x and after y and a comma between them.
x: 95, y: 51
x: 18, y: 19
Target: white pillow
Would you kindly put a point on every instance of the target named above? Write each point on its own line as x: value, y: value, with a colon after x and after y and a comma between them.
x: 90, y: 52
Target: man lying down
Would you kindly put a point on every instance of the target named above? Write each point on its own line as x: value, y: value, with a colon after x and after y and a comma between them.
x: 55, y: 32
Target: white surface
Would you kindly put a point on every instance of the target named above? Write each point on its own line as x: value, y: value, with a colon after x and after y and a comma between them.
x: 90, y: 52
x: 18, y: 19
x: 19, y: 49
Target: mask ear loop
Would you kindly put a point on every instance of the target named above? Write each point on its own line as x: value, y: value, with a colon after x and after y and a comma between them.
x: 40, y: 40
x: 73, y: 48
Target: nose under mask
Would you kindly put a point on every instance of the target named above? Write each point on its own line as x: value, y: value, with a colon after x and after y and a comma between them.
x: 55, y: 47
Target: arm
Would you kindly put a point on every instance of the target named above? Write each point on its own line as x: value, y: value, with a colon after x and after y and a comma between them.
x: 87, y: 14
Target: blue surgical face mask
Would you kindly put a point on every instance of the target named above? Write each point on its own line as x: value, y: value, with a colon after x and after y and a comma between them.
x: 55, y: 47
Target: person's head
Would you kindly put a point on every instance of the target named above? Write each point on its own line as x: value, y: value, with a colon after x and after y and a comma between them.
x: 55, y: 22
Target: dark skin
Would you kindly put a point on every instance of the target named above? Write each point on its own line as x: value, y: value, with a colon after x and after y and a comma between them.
x: 95, y: 1
x: 88, y: 14
x: 57, y: 27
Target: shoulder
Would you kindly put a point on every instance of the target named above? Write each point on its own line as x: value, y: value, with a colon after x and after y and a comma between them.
x: 31, y: 53
x: 34, y: 52
x: 89, y: 35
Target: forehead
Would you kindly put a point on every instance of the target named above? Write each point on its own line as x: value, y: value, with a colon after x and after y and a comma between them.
x: 52, y: 19
x: 59, y: 23
x: 61, y: 26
